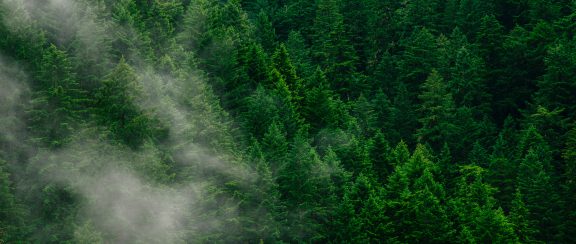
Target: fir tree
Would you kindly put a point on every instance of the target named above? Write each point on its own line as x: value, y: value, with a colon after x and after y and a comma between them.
x: 437, y: 111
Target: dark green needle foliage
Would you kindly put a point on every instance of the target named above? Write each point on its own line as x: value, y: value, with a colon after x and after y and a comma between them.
x: 290, y: 121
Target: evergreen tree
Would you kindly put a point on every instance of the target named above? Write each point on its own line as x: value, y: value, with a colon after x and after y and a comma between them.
x: 476, y: 211
x: 281, y: 61
x: 420, y: 14
x: 286, y: 104
x: 266, y: 198
x: 299, y: 188
x: 519, y: 215
x: 299, y: 54
x: 260, y: 113
x: 275, y: 146
x: 437, y: 111
x: 403, y: 116
x: 332, y: 50
x: 117, y: 109
x: 416, y: 201
x: 362, y: 212
x: 467, y: 82
x: 265, y: 32
x: 321, y: 108
x: 12, y: 214
x: 56, y: 105
x: 363, y: 111
x: 382, y: 110
x: 295, y: 15
x: 555, y: 87
x: 503, y: 167
x: 417, y: 59
x: 542, y: 201
x: 272, y: 121
x: 381, y: 156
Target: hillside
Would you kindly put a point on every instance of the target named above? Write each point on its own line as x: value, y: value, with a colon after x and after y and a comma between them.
x: 289, y: 121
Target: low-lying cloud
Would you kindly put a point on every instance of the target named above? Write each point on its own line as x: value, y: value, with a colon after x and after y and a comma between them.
x: 129, y: 195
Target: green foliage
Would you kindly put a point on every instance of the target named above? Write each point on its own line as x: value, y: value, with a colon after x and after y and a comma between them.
x: 519, y: 218
x: 437, y: 110
x: 283, y: 64
x: 87, y: 234
x: 569, y: 156
x: 381, y: 155
x: 321, y: 108
x: 556, y: 89
x: 275, y: 121
x: 332, y: 50
x: 416, y: 201
x: 541, y: 199
x: 116, y: 106
x: 417, y: 59
x: 12, y: 217
x: 476, y: 211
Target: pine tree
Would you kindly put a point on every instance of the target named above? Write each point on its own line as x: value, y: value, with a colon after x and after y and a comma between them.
x: 437, y: 110
x: 299, y: 188
x: 531, y: 139
x: 116, y: 106
x: 542, y: 201
x: 196, y: 24
x: 479, y: 156
x: 331, y: 48
x: 275, y: 147
x: 503, y: 166
x: 362, y: 212
x: 555, y: 87
x: 475, y: 209
x: 470, y: 13
x: 546, y: 10
x: 382, y: 110
x: 260, y: 112
x: 12, y: 214
x: 417, y: 59
x: 321, y: 108
x: 286, y: 104
x: 363, y: 111
x: 56, y: 105
x: 467, y: 82
x: 420, y: 14
x: 356, y: 17
x: 300, y: 54
x: 251, y: 71
x: 22, y: 39
x: 519, y: 215
x: 385, y: 74
x: 380, y: 155
x: 281, y: 61
x: 295, y: 15
x: 133, y: 40
x: 265, y: 201
x: 512, y: 89
x: 416, y: 201
x: 403, y: 116
x: 265, y: 32
x: 490, y: 49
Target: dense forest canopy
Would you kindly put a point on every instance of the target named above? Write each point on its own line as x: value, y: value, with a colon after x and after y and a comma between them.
x: 260, y: 121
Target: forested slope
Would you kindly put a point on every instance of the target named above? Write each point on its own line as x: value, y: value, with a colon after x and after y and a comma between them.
x: 260, y: 121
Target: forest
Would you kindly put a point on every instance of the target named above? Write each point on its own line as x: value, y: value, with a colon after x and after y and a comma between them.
x: 287, y: 121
